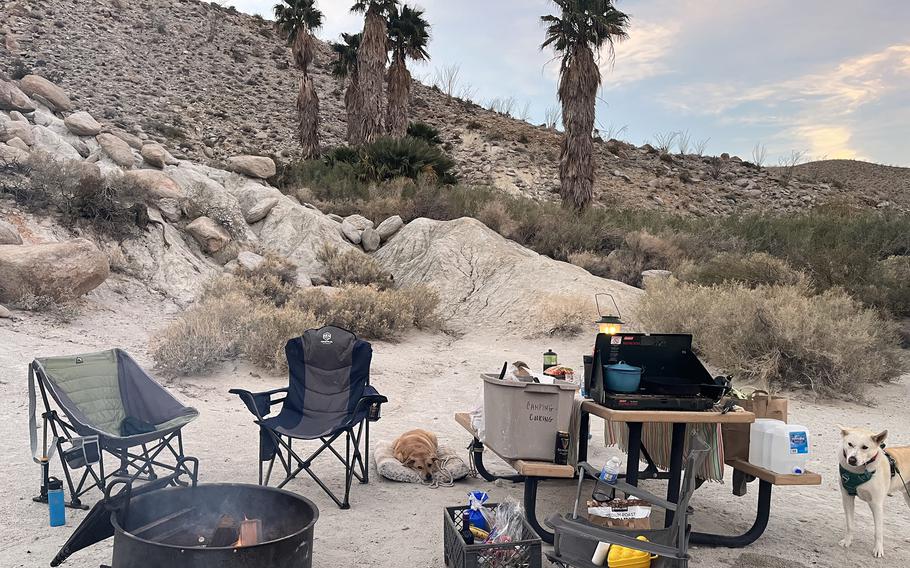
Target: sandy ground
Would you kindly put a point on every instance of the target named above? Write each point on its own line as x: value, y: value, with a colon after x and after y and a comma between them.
x: 427, y: 378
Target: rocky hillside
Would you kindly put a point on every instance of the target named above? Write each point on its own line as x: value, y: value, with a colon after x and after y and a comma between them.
x: 211, y: 83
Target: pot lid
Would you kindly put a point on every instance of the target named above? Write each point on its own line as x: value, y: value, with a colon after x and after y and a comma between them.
x: 623, y: 366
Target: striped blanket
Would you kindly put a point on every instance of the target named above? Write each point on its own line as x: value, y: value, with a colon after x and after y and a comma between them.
x: 656, y: 437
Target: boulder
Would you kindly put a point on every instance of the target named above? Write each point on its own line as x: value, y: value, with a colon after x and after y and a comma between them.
x: 9, y: 235
x: 206, y: 197
x: 82, y: 124
x: 11, y: 155
x: 350, y: 232
x: 370, y: 240
x: 18, y: 143
x: 154, y: 155
x: 16, y: 129
x: 12, y: 98
x: 132, y: 140
x: 484, y: 278
x: 250, y: 261
x: 44, y: 91
x: 259, y: 210
x: 17, y: 116
x: 116, y: 149
x: 52, y: 143
x: 5, y: 313
x: 156, y: 184
x: 336, y: 218
x: 57, y: 270
x: 253, y: 166
x: 209, y: 234
x: 389, y: 227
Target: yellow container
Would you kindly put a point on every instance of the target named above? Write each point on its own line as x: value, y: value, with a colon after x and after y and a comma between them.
x: 622, y: 557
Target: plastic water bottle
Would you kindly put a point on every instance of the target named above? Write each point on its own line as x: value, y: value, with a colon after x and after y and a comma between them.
x: 610, y: 472
x: 55, y: 502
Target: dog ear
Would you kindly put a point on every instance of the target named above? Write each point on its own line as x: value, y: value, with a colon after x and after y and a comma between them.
x: 880, y: 437
x: 843, y: 430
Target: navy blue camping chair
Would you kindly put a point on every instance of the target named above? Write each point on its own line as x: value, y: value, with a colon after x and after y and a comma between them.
x: 328, y: 397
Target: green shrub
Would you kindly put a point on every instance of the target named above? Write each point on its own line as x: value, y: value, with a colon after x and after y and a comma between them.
x: 753, y: 269
x: 389, y: 158
x: 425, y: 132
x: 779, y: 336
x: 352, y: 266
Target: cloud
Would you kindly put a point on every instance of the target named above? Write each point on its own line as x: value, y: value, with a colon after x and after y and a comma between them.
x: 642, y: 56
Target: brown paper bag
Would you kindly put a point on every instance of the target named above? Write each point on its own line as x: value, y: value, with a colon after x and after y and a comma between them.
x: 620, y: 514
x: 736, y: 436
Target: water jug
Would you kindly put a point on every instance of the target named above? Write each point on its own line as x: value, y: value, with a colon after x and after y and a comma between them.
x: 788, y: 449
x: 758, y: 440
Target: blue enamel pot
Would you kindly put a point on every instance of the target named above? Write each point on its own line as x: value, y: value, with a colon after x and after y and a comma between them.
x: 621, y: 377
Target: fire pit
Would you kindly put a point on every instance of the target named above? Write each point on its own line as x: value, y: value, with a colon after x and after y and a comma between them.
x: 209, y: 525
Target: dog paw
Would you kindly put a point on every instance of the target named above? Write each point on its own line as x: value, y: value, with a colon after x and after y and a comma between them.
x: 878, y: 551
x: 845, y: 542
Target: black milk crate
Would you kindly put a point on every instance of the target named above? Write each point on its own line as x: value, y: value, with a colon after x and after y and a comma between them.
x: 524, y: 553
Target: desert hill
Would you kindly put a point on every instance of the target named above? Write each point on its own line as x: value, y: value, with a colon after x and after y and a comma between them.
x: 210, y: 82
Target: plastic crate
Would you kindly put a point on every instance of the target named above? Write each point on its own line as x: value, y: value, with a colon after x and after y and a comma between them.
x: 524, y: 553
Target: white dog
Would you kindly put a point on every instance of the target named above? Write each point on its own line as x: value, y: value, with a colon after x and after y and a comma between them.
x: 869, y: 472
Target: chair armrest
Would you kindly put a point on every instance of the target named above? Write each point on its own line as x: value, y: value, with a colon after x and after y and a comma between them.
x: 370, y: 396
x: 623, y: 487
x: 259, y: 403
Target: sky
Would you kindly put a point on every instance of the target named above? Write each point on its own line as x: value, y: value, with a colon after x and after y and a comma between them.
x: 827, y: 78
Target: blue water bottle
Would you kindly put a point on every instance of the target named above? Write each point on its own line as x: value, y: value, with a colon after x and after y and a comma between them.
x: 55, y: 502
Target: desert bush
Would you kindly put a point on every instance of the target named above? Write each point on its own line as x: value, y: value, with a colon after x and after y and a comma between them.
x: 425, y: 132
x: 495, y: 216
x: 779, y: 336
x: 642, y: 251
x: 753, y: 269
x: 594, y: 263
x: 389, y: 158
x: 565, y: 316
x: 351, y: 266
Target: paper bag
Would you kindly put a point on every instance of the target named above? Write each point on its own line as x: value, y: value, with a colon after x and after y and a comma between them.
x: 620, y: 514
x: 736, y: 436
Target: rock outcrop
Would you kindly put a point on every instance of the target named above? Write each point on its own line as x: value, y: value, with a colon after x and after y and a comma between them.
x: 210, y: 235
x: 253, y: 166
x: 60, y: 271
x: 8, y: 234
x: 117, y: 150
x: 82, y: 124
x: 12, y: 98
x: 481, y: 277
x: 46, y: 92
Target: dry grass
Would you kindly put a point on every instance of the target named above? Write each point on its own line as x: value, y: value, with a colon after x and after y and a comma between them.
x: 351, y: 267
x: 754, y: 269
x: 779, y: 336
x: 252, y: 315
x: 641, y: 251
x: 565, y: 316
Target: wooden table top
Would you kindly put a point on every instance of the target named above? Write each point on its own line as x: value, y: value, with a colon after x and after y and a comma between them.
x: 667, y: 416
x: 524, y: 467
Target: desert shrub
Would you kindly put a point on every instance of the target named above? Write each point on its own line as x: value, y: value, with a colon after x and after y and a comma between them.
x: 389, y: 158
x: 351, y: 266
x: 779, y: 336
x: 753, y: 269
x: 236, y: 318
x: 495, y: 216
x: 425, y: 132
x: 328, y: 181
x: 79, y: 194
x: 594, y: 263
x: 565, y: 316
x: 642, y: 251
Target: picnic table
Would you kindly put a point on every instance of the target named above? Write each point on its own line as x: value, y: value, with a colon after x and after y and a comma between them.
x: 531, y: 472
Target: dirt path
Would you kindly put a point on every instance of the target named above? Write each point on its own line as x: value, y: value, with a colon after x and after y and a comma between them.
x: 427, y: 378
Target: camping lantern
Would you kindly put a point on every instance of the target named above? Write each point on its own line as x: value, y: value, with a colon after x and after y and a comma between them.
x: 608, y: 324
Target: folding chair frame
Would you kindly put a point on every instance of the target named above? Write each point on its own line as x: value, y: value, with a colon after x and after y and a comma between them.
x: 133, y: 466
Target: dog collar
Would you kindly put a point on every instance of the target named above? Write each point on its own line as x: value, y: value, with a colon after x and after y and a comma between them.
x: 850, y: 480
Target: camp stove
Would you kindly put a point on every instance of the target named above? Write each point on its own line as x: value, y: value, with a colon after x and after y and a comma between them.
x: 673, y: 377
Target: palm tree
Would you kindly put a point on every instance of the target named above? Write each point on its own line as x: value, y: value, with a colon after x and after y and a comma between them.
x: 583, y: 28
x: 345, y: 68
x: 297, y: 19
x: 409, y: 34
x: 371, y: 60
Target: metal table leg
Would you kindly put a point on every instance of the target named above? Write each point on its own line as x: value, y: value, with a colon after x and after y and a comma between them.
x: 750, y: 536
x: 677, y: 444
x: 584, y: 430
x: 634, y: 453
x: 531, y: 510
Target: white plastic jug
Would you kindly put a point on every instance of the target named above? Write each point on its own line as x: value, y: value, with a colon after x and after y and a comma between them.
x: 788, y: 448
x: 758, y: 440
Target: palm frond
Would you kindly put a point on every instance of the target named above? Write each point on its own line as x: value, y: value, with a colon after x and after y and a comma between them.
x: 293, y: 16
x: 409, y: 32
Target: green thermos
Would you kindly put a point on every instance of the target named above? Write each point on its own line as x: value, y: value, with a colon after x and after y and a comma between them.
x: 549, y: 359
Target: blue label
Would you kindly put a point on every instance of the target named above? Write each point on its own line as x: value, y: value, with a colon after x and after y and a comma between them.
x: 799, y: 443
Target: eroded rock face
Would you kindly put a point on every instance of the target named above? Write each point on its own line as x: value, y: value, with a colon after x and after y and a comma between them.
x: 82, y: 124
x: 56, y: 270
x: 482, y: 277
x: 16, y: 129
x: 45, y: 91
x: 12, y: 98
x: 253, y: 166
x: 156, y: 185
x: 259, y: 210
x: 12, y: 155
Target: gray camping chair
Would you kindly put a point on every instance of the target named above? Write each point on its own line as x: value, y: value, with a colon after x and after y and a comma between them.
x: 109, y: 405
x: 576, y: 538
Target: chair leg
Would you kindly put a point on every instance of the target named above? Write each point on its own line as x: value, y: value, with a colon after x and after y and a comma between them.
x: 366, y: 453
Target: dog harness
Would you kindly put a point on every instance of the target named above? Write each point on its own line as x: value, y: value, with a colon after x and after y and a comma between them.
x: 850, y: 481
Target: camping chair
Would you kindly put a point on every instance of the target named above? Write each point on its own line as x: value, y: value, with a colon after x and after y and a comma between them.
x: 328, y: 397
x: 576, y: 538
x: 110, y: 406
